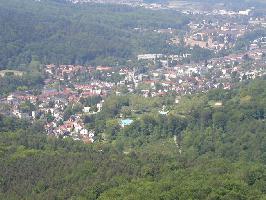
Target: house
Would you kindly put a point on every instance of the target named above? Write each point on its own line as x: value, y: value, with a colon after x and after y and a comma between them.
x: 86, y: 109
x: 163, y: 112
x: 84, y: 132
x: 10, y: 98
x: 104, y: 68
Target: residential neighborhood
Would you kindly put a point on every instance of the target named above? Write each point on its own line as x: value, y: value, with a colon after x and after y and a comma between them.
x: 71, y: 92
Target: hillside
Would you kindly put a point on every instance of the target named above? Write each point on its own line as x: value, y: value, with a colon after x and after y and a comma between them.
x: 55, y: 32
x: 219, y: 153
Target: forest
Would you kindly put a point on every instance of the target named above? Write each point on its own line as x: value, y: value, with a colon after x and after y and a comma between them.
x: 200, y: 150
x: 62, y: 33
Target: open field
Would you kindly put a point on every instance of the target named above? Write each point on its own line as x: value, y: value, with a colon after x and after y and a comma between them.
x: 15, y: 72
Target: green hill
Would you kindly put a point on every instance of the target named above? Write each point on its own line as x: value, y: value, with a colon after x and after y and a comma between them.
x: 220, y: 154
x: 55, y: 32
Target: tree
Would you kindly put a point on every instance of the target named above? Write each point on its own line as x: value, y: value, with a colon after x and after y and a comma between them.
x: 219, y: 119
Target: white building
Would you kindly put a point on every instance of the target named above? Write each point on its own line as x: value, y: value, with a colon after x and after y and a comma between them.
x: 149, y: 56
x: 244, y: 12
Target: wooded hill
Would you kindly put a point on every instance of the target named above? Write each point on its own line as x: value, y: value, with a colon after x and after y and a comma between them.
x: 55, y: 32
x: 220, y: 154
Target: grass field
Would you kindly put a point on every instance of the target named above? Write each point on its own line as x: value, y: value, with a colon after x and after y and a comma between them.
x: 5, y: 72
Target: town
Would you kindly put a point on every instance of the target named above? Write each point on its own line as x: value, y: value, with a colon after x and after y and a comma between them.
x: 71, y: 92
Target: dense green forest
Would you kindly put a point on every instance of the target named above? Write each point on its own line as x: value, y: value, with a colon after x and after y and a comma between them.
x: 218, y: 152
x: 55, y: 32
